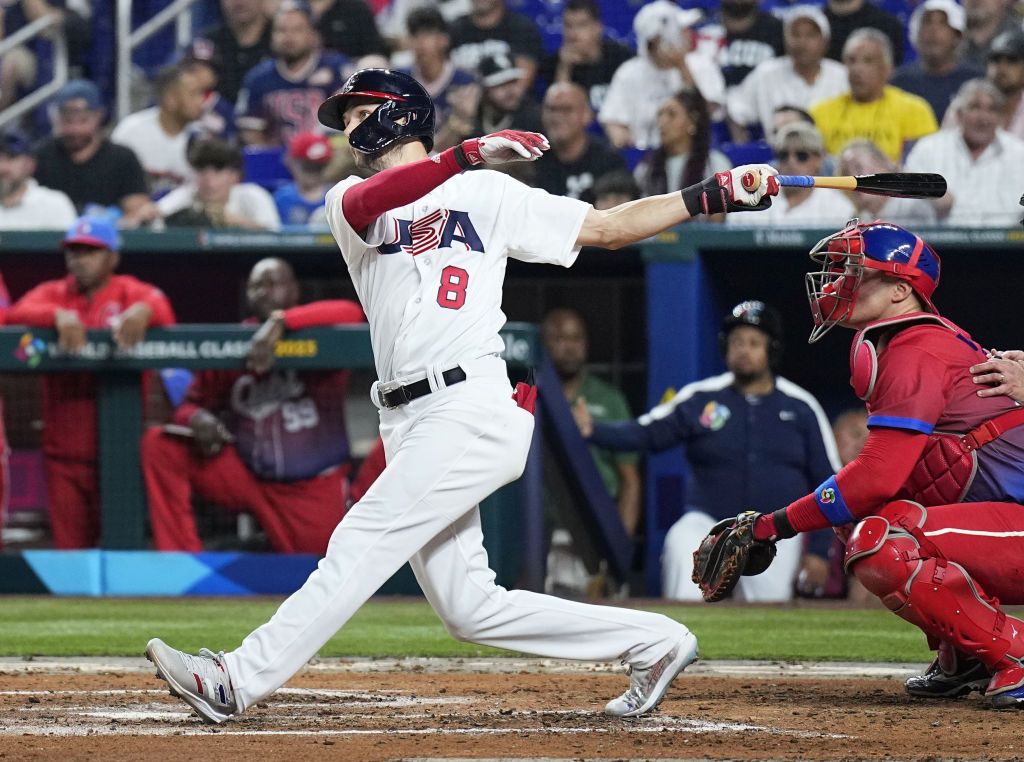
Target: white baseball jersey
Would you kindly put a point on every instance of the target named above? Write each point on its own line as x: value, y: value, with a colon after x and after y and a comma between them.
x: 430, y: 274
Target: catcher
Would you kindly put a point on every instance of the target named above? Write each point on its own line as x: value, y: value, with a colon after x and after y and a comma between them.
x: 931, y: 509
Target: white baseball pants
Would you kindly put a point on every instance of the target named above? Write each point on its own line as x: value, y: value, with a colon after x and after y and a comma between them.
x: 445, y: 453
x: 775, y: 585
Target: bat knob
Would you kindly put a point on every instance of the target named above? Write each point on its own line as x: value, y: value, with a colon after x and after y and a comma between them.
x: 750, y: 180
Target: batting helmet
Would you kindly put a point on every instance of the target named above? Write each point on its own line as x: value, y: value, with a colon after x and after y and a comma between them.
x: 758, y: 315
x: 878, y: 245
x: 407, y: 110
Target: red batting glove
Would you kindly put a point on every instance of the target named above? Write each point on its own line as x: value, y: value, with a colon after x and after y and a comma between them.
x: 501, y: 148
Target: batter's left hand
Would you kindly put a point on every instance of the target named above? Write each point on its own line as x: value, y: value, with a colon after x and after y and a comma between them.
x: 725, y: 192
x: 504, y: 147
x: 1002, y: 376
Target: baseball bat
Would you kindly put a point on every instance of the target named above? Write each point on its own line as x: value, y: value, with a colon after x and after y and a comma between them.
x: 899, y: 184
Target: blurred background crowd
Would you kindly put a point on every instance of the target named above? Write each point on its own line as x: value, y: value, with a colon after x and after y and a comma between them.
x: 636, y: 99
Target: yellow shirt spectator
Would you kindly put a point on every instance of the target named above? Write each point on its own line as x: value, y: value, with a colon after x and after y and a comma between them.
x: 889, y: 121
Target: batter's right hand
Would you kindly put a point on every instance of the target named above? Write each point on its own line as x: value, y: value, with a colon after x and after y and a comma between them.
x: 71, y: 335
x: 208, y: 432
x: 502, y: 148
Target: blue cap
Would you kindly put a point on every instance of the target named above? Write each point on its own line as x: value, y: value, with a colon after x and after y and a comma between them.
x: 92, y: 231
x: 80, y: 89
x: 15, y: 144
x: 296, y: 5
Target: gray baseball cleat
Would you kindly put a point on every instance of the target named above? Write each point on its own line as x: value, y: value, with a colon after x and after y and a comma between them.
x: 200, y: 681
x: 647, y: 686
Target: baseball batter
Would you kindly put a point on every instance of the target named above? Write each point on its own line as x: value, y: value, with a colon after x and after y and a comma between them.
x: 426, y: 246
x: 931, y: 507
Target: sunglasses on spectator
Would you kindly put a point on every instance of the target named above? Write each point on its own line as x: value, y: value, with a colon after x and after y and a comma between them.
x: 797, y: 155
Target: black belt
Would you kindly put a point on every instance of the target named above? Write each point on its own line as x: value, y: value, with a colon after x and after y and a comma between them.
x: 394, y: 395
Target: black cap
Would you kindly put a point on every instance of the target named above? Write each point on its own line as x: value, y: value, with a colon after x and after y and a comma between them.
x: 15, y: 143
x: 1009, y: 43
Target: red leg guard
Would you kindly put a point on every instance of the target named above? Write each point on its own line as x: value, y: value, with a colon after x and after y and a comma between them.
x: 941, y: 598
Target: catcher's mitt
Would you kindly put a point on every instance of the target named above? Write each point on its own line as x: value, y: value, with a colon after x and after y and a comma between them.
x: 728, y: 552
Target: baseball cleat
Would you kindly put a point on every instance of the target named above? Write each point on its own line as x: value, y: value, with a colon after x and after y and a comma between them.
x: 970, y: 675
x: 1006, y: 690
x: 200, y: 681
x: 647, y: 686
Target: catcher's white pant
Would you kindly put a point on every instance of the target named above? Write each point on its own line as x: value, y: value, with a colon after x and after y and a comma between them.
x: 445, y: 453
x: 772, y: 586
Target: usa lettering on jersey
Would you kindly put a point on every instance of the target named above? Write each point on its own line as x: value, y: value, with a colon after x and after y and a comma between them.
x: 442, y: 229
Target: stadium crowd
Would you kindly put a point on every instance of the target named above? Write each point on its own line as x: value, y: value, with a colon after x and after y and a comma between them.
x: 226, y: 133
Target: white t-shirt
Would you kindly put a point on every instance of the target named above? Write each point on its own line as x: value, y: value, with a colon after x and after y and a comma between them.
x: 775, y: 83
x: 429, y: 274
x: 821, y: 209
x: 246, y: 200
x: 986, y: 190
x: 162, y: 156
x: 40, y: 209
x: 638, y: 89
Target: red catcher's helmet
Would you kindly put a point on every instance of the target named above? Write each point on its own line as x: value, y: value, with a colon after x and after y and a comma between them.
x: 407, y: 110
x: 882, y: 246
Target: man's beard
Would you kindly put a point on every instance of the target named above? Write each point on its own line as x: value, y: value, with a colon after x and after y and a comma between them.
x: 10, y: 187
x: 74, y: 143
x: 378, y: 160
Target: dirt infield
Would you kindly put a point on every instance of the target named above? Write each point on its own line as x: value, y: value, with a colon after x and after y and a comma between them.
x: 505, y: 709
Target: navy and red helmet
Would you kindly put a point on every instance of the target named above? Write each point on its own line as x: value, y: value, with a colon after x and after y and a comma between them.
x: 878, y: 245
x: 756, y: 314
x: 407, y: 110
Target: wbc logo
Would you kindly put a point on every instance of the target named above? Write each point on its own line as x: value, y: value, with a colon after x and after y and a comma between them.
x: 828, y: 495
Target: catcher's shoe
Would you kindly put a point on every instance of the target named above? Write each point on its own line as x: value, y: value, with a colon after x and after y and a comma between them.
x: 647, y: 686
x: 967, y: 676
x: 200, y: 681
x: 1006, y: 690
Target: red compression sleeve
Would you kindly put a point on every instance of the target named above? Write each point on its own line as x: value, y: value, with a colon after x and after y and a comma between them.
x: 867, y: 482
x: 397, y: 186
x: 328, y: 312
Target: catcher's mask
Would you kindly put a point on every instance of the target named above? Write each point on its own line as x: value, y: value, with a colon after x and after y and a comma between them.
x: 843, y: 256
x: 406, y: 110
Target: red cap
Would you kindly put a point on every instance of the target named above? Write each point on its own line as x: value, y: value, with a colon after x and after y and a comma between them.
x: 310, y: 146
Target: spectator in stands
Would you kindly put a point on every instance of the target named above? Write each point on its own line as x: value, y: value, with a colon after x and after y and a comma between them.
x: 5, y: 305
x: 24, y: 203
x: 586, y: 56
x: 799, y: 150
x: 280, y: 96
x: 217, y: 119
x: 613, y: 189
x: 85, y: 165
x: 936, y: 31
x: 239, y: 43
x: 159, y: 135
x: 217, y: 197
x: 490, y: 29
x: 847, y: 16
x: 1006, y: 72
x: 980, y: 162
x: 862, y: 157
x: 750, y: 37
x: 986, y: 20
x: 90, y: 297
x: 348, y: 27
x: 801, y: 77
x: 750, y: 436
x: 787, y: 114
x: 266, y: 441
x: 565, y: 339
x: 666, y: 63
x: 19, y: 68
x: 685, y: 152
x: 455, y: 92
x: 301, y: 202
x: 576, y: 158
x: 872, y: 109
x: 504, y: 104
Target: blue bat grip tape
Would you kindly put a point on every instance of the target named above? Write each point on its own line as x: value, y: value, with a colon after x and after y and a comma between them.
x: 796, y: 181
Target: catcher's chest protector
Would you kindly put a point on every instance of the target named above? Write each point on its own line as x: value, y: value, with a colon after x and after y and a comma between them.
x: 947, y: 467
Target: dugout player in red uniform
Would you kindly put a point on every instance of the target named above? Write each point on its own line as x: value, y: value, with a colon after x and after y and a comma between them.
x: 931, y: 508
x: 268, y: 441
x: 90, y: 296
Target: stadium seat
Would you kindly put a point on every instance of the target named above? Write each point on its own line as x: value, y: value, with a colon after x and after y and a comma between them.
x: 265, y: 166
x: 747, y: 153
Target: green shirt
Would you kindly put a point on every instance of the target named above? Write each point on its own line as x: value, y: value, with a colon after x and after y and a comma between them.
x: 606, y: 404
